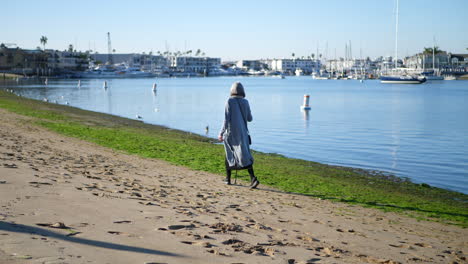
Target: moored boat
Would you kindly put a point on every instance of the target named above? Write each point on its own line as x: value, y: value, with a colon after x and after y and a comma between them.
x: 405, y: 79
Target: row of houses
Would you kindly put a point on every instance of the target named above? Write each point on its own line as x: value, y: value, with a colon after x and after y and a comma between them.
x: 287, y: 66
x: 174, y: 64
x: 40, y: 62
x: 54, y: 62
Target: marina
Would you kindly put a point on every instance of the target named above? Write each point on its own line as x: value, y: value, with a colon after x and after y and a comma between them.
x: 416, y: 132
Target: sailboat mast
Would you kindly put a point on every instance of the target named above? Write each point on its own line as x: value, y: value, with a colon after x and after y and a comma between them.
x: 396, y: 36
x: 433, y: 56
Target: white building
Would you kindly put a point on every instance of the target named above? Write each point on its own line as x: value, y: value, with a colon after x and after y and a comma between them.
x: 425, y: 61
x: 291, y: 65
x: 194, y: 64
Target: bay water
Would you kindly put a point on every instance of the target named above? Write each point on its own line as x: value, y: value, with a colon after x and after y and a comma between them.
x: 414, y: 131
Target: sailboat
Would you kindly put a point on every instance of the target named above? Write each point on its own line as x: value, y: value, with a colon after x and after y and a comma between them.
x: 398, y: 76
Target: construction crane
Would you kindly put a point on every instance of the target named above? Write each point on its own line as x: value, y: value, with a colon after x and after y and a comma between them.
x: 109, y: 50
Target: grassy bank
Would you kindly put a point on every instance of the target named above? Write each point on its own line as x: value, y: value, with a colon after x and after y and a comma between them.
x: 4, y: 75
x: 292, y: 175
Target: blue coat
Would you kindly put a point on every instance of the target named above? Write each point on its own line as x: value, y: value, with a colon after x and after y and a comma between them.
x: 235, y: 133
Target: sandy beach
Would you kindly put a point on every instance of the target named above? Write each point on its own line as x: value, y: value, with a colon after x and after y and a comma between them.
x: 64, y: 200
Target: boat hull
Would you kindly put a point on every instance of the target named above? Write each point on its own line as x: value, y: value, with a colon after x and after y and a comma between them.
x: 402, y: 80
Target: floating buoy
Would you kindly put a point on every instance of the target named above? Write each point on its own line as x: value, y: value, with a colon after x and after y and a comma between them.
x: 104, y: 85
x: 79, y: 84
x: 361, y: 81
x: 305, y: 105
x: 154, y: 87
x: 46, y: 81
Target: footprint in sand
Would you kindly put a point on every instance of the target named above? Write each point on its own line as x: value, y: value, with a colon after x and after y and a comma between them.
x: 199, y: 243
x: 122, y: 222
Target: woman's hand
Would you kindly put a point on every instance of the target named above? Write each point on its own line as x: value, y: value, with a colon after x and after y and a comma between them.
x: 220, y: 138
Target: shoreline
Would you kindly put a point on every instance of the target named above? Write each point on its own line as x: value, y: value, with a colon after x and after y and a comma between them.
x: 70, y: 120
x: 379, y: 168
x: 119, y: 205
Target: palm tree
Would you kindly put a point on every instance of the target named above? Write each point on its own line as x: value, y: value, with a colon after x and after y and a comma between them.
x: 43, y: 41
x: 293, y: 55
x: 198, y: 52
x: 429, y: 50
x: 70, y: 48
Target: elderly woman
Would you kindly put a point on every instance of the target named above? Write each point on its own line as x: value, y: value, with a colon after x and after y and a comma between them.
x: 235, y: 134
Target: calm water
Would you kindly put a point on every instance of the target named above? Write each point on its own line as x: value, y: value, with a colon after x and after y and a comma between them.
x: 414, y: 131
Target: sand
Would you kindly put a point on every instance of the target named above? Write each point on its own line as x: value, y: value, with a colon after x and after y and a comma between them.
x: 63, y: 200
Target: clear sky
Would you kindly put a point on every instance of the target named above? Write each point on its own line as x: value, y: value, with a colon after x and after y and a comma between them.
x: 250, y: 29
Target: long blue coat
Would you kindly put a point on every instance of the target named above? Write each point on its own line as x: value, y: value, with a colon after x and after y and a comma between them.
x: 235, y: 133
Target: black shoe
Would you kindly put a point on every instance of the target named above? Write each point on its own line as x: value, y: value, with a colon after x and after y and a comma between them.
x: 227, y: 181
x: 254, y: 184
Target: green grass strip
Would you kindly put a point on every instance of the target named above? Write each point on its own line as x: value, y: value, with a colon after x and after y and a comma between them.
x: 342, y: 184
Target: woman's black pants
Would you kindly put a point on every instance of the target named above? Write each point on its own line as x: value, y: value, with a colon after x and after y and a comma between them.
x: 229, y: 170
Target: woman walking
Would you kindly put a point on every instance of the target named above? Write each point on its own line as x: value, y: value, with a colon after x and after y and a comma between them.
x: 235, y: 135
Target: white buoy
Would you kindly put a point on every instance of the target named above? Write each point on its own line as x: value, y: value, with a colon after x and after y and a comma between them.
x: 361, y: 81
x: 104, y: 85
x: 45, y: 100
x: 46, y: 81
x: 79, y: 83
x: 305, y: 105
x: 154, y: 87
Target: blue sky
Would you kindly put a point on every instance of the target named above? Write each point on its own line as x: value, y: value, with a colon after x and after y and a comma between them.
x: 239, y: 29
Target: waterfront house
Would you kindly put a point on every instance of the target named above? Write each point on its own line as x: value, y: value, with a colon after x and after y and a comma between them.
x: 289, y: 66
x: 21, y: 61
x: 66, y: 61
x: 198, y: 65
